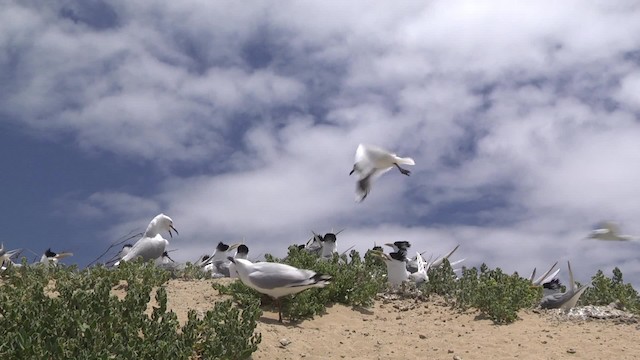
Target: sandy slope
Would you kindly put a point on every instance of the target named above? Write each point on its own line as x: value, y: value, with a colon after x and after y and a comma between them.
x: 404, y: 329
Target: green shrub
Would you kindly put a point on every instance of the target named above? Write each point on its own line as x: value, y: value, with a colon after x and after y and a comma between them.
x: 604, y: 291
x: 59, y: 313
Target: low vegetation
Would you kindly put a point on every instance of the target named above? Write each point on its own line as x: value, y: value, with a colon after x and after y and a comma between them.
x: 69, y: 313
x: 62, y: 313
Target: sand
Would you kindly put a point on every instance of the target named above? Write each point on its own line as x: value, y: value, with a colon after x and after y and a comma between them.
x: 406, y: 329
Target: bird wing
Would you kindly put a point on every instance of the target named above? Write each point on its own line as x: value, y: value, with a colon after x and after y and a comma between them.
x: 147, y: 248
x: 270, y: 276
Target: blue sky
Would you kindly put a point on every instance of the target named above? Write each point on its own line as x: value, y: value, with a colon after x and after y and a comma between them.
x: 241, y: 120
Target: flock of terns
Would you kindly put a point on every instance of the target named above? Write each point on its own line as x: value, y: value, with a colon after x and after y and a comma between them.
x: 278, y: 280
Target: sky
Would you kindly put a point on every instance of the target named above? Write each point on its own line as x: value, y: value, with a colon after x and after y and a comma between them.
x: 240, y: 120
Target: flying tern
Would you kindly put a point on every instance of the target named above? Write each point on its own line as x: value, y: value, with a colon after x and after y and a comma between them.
x: 609, y: 231
x: 277, y: 280
x: 152, y: 244
x: 371, y: 162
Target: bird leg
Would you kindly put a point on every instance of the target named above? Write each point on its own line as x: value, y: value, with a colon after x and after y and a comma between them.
x: 403, y: 171
x: 277, y: 301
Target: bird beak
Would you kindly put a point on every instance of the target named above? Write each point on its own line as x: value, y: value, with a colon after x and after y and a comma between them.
x: 390, y: 245
x: 230, y: 258
x: 174, y: 229
x: 231, y: 247
x: 63, y: 255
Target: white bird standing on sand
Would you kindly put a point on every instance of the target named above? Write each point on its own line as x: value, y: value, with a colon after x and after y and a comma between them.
x: 49, y: 257
x: 152, y: 244
x: 242, y: 253
x: 277, y: 280
x: 372, y: 161
x: 609, y: 231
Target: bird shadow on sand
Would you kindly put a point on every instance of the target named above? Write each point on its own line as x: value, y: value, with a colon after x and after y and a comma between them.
x: 286, y: 323
x: 362, y: 310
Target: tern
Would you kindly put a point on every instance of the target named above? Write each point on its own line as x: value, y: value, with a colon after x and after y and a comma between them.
x: 50, y: 257
x: 217, y: 263
x: 329, y: 246
x: 609, y: 231
x: 565, y: 300
x: 242, y: 253
x: 5, y: 256
x: 396, y: 263
x: 277, y: 280
x: 371, y: 162
x: 152, y: 244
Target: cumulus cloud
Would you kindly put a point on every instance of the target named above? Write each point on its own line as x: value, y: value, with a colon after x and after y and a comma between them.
x: 522, y: 118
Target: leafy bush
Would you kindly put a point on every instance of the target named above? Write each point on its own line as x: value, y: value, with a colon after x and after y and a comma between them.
x: 61, y: 313
x: 604, y: 291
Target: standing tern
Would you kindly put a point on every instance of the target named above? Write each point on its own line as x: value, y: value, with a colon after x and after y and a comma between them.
x: 5, y: 256
x: 371, y: 162
x: 217, y: 263
x: 565, y: 300
x: 396, y: 263
x: 242, y: 253
x: 277, y: 280
x: 152, y: 244
x: 50, y: 257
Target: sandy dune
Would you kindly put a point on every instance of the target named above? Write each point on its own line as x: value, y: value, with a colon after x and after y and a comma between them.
x: 405, y: 329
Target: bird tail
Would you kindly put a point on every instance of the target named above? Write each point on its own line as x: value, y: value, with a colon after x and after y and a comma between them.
x: 405, y: 161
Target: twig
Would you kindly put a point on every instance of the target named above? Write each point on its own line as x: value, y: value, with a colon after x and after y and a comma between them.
x: 118, y: 242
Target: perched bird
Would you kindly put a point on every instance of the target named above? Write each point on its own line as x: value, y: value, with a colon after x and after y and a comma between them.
x: 242, y: 253
x: 217, y: 264
x: 609, y: 231
x: 396, y: 263
x: 420, y: 275
x: 152, y: 244
x: 329, y: 246
x: 5, y: 256
x: 49, y: 257
x: 277, y: 280
x: 314, y: 245
x: 565, y: 300
x: 371, y: 162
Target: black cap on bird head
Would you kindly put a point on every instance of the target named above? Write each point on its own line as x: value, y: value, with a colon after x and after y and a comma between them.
x: 331, y: 237
x: 49, y: 253
x: 399, y: 255
x: 402, y: 244
x: 377, y: 248
x: 243, y: 249
x: 222, y: 246
x: 552, y: 285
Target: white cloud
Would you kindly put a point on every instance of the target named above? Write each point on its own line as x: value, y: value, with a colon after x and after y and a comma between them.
x: 522, y: 118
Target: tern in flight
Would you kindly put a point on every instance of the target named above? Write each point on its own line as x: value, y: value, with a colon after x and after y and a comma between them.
x: 371, y: 162
x: 608, y: 230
